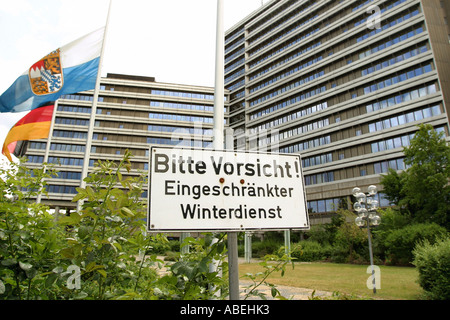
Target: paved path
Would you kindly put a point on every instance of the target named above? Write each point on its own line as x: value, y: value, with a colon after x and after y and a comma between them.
x: 292, y: 293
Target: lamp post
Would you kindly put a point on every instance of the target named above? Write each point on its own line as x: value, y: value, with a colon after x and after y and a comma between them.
x: 366, y: 206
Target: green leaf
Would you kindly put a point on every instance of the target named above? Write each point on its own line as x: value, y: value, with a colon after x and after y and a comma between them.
x: 51, y: 279
x: 102, y: 272
x: 127, y: 212
x: 25, y: 266
x: 9, y: 262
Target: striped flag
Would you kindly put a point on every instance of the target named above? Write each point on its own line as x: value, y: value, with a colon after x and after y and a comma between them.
x: 67, y: 70
x: 35, y: 125
x: 70, y: 69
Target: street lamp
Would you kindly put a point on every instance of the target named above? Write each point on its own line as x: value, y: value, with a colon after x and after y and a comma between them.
x: 366, y: 206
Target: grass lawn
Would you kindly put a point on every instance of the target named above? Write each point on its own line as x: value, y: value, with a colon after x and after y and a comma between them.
x: 397, y: 283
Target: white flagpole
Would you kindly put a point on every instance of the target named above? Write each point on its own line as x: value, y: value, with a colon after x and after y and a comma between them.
x: 49, y: 142
x: 219, y: 81
x: 85, y: 170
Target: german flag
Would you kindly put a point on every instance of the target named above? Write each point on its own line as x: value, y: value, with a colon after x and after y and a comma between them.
x: 35, y: 125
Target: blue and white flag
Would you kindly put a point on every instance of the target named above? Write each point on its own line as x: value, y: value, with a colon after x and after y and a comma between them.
x: 70, y: 69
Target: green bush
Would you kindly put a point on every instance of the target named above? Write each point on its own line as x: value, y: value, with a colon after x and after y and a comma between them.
x: 433, y: 264
x: 262, y: 248
x: 400, y: 243
x: 309, y: 251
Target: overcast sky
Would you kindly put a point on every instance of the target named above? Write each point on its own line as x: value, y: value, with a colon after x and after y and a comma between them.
x: 171, y: 40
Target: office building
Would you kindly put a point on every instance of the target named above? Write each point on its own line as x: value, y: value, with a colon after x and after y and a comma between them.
x: 133, y: 113
x: 343, y: 83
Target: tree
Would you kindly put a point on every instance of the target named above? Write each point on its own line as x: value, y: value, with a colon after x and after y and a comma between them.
x: 423, y: 189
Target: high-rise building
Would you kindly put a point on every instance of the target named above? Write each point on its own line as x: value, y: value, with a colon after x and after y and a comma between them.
x: 133, y: 113
x: 344, y: 83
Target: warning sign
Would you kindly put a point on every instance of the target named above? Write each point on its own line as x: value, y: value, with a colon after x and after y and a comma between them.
x: 207, y: 190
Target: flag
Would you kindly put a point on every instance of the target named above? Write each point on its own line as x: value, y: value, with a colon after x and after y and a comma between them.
x: 35, y: 125
x: 70, y: 69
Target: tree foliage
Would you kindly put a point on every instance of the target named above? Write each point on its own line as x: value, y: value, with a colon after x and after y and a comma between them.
x: 101, y: 251
x: 423, y: 189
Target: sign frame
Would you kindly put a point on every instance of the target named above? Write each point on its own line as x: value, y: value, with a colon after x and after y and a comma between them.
x: 226, y: 153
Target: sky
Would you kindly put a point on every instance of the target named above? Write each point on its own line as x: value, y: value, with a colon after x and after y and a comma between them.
x: 171, y: 40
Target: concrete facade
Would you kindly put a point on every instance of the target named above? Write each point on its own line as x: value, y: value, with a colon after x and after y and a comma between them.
x: 343, y: 83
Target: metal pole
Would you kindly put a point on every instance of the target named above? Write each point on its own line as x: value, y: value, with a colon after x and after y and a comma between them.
x: 287, y: 241
x: 370, y: 247
x: 219, y: 80
x: 248, y: 246
x: 219, y: 94
x: 371, y: 257
x: 87, y: 155
x: 233, y: 265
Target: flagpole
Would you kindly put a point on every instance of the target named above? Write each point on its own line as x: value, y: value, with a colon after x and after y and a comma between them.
x: 47, y: 148
x: 219, y: 80
x: 90, y: 133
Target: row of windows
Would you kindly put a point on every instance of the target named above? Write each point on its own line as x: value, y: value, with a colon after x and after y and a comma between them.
x: 277, y: 64
x: 236, y: 85
x: 389, y: 43
x: 235, y: 65
x: 397, y: 142
x: 80, y: 97
x: 400, y: 98
x: 405, y: 118
x: 327, y: 205
x: 235, y: 34
x: 317, y: 160
x: 332, y: 205
x: 158, y: 128
x: 234, y: 45
x: 283, y: 34
x: 235, y: 75
x: 392, y: 61
x: 384, y: 166
x: 305, y: 145
x: 285, y: 88
x: 319, y: 178
x: 183, y: 106
x: 397, y: 79
x: 67, y: 175
x: 378, y: 167
x: 294, y: 99
x: 65, y: 161
x: 72, y: 122
x: 388, y: 25
x: 282, y: 22
x: 179, y: 117
x: 180, y: 142
x: 79, y: 109
x: 67, y: 147
x: 288, y: 118
x: 234, y: 55
x: 181, y: 94
x: 61, y: 189
x: 394, y: 143
x: 37, y: 145
x: 294, y: 131
x: 285, y: 47
x: 69, y: 134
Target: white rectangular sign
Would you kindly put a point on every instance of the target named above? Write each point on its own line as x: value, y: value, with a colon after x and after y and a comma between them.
x: 206, y: 190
